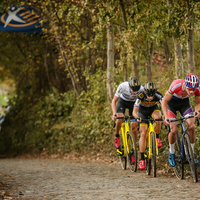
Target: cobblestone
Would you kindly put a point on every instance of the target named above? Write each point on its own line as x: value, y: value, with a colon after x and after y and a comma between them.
x: 38, y: 179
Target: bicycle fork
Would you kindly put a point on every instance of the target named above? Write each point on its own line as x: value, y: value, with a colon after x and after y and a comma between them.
x: 150, y: 140
x: 124, y: 130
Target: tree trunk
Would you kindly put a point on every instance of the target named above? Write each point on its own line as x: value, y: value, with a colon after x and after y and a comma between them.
x: 149, y: 63
x: 135, y: 62
x: 183, y: 65
x: 123, y: 56
x: 190, y: 40
x: 121, y: 3
x: 167, y: 53
x: 178, y: 57
x: 76, y: 89
x: 110, y: 62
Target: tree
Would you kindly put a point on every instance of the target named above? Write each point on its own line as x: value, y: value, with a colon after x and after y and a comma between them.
x: 110, y: 62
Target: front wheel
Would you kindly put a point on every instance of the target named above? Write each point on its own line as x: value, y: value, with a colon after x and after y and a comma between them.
x: 179, y: 167
x: 147, y: 161
x: 153, y: 153
x: 122, y: 157
x: 190, y: 157
x: 131, y: 152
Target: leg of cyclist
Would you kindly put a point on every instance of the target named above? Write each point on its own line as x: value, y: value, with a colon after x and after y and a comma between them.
x: 142, y: 144
x: 118, y: 107
x: 172, y: 140
x: 117, y: 129
x: 134, y: 126
x: 172, y: 136
x: 190, y: 124
x: 191, y: 131
x: 120, y: 110
x: 172, y: 107
x: 157, y: 126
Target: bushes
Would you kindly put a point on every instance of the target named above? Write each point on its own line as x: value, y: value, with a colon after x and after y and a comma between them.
x: 60, y: 123
x: 31, y: 126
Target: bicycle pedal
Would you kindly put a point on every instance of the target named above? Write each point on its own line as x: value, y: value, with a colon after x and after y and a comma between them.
x: 119, y: 153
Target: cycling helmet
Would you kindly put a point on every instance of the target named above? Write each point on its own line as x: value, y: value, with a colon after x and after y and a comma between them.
x: 150, y: 88
x: 192, y: 81
x: 134, y: 84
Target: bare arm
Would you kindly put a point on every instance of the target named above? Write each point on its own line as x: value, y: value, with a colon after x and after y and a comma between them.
x: 165, y: 101
x: 197, y: 106
x: 114, y: 107
x: 135, y: 112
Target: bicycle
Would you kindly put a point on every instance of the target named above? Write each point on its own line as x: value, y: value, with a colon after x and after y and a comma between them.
x: 127, y: 150
x: 152, y: 148
x: 184, y: 154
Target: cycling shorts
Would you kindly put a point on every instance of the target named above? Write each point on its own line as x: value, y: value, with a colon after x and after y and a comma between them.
x: 122, y: 105
x: 181, y: 105
x: 146, y: 112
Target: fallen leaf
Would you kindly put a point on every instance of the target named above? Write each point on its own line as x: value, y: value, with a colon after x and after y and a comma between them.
x: 6, y: 193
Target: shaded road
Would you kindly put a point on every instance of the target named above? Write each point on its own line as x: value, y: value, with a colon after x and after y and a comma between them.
x: 63, y: 179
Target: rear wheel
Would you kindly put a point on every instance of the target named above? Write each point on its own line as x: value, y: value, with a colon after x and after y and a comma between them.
x: 131, y: 152
x: 179, y: 167
x: 153, y: 153
x: 122, y: 158
x: 190, y: 157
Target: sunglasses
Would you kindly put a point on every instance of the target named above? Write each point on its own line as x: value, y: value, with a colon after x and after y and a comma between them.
x: 190, y: 89
x: 150, y: 95
x: 133, y: 91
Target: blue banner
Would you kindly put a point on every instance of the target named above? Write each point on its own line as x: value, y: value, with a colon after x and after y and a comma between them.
x: 20, y: 19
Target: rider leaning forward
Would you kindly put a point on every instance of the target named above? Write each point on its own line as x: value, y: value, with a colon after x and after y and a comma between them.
x: 145, y: 107
x: 177, y: 99
x: 125, y: 97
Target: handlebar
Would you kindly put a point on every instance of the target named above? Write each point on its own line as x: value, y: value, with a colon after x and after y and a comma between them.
x: 125, y: 118
x: 182, y: 119
x: 152, y: 120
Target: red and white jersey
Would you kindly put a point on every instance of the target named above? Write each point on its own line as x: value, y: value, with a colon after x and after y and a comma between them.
x: 176, y: 89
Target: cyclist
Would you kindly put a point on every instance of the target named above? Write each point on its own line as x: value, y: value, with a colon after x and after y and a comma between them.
x: 145, y: 107
x: 177, y: 99
x: 125, y: 98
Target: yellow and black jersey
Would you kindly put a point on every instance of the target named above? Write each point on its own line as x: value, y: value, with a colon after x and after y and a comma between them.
x: 142, y: 100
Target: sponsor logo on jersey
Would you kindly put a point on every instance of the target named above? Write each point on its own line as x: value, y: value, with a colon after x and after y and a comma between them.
x: 141, y: 95
x: 176, y: 86
x: 151, y: 103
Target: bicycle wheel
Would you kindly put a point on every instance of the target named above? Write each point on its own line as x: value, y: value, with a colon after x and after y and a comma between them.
x: 190, y: 157
x: 179, y: 167
x: 153, y: 153
x: 131, y: 152
x: 147, y: 161
x: 122, y: 158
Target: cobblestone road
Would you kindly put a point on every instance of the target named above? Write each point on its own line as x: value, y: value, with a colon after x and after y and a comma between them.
x: 63, y: 179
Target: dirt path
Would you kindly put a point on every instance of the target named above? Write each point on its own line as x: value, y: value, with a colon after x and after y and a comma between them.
x: 63, y: 179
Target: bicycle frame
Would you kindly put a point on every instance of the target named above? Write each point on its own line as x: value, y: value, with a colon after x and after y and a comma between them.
x: 184, y: 132
x: 185, y: 152
x: 124, y: 129
x: 127, y: 150
x: 149, y: 131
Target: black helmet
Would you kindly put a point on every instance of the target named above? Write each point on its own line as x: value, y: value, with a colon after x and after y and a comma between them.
x: 150, y: 88
x: 134, y: 84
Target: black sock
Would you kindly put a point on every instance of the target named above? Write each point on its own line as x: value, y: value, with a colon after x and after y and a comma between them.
x: 116, y: 135
x: 142, y: 156
x: 157, y: 135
